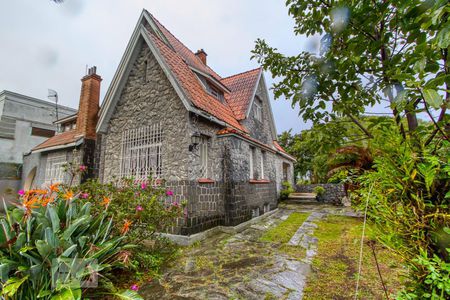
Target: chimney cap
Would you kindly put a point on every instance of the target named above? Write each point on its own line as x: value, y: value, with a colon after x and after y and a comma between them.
x: 92, y: 70
x: 201, y: 51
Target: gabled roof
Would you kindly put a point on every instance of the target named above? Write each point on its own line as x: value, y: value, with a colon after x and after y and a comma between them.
x: 243, y: 87
x: 192, y: 86
x: 180, y: 65
x: 61, y: 140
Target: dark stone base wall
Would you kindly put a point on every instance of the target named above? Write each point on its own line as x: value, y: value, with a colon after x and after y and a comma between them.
x: 214, y: 204
x: 334, y: 193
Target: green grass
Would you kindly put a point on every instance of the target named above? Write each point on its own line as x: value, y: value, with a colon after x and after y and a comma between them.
x: 335, y: 266
x: 285, y: 230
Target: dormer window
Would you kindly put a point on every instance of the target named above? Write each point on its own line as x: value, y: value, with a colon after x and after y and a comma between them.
x: 258, y: 109
x: 211, y: 87
x: 216, y: 93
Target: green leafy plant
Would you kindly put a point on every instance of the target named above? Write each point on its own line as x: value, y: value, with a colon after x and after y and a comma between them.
x: 320, y: 192
x: 286, y: 190
x: 151, y: 208
x: 54, y: 230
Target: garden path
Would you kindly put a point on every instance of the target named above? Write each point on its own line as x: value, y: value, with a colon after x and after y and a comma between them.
x: 242, y: 266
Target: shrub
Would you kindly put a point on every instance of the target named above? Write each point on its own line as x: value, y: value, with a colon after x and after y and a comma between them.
x: 53, y: 228
x: 319, y: 190
x: 408, y: 194
x: 286, y: 190
x: 152, y: 210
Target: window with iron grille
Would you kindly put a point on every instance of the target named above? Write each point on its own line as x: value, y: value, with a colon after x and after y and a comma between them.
x: 54, y: 171
x: 204, y: 145
x: 141, y: 152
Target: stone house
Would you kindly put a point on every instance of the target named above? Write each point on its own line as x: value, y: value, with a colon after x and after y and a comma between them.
x: 212, y: 140
x: 24, y: 123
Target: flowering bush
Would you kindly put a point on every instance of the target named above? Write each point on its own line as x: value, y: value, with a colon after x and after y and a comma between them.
x: 144, y: 210
x: 54, y: 241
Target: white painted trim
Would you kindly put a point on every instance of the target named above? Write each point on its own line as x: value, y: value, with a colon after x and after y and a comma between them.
x: 73, y: 144
x: 209, y: 77
x: 266, y: 147
x: 249, y: 108
x: 125, y: 65
x: 272, y: 119
x: 123, y: 68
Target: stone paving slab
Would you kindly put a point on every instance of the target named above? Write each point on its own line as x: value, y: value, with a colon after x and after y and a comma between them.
x: 240, y: 266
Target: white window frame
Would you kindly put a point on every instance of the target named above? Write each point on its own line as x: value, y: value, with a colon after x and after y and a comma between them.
x: 258, y: 109
x: 204, y: 157
x: 141, y: 153
x: 54, y: 168
x: 262, y: 163
x: 252, y: 155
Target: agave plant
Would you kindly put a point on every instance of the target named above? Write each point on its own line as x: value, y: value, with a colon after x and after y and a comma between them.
x: 52, y: 243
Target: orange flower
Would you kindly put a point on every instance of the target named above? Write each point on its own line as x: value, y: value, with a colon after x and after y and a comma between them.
x: 68, y: 195
x: 29, y: 204
x: 126, y: 226
x: 54, y: 187
x: 47, y: 200
x: 106, y: 201
x: 40, y: 192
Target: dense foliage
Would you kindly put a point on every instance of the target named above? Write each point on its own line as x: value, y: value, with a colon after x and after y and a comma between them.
x: 53, y: 242
x: 148, y: 207
x: 393, y: 53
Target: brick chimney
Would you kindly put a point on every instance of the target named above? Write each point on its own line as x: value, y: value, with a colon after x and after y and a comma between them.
x: 89, y: 104
x: 202, y: 55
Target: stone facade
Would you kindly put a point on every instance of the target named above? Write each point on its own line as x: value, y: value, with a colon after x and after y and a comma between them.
x: 228, y: 197
x: 334, y: 193
x: 148, y: 98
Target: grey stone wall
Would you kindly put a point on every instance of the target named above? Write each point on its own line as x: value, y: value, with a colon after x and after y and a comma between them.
x: 260, y: 130
x: 148, y: 98
x: 219, y: 203
x: 334, y: 193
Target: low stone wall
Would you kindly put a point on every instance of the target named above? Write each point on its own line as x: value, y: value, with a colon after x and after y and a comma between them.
x: 334, y: 193
x: 220, y: 204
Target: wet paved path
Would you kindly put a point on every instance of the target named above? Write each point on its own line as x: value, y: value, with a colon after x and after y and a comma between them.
x: 240, y: 266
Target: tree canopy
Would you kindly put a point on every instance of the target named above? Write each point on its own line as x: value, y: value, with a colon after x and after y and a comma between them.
x: 393, y: 52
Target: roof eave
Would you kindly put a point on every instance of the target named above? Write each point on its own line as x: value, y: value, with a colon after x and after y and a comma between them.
x: 59, y: 147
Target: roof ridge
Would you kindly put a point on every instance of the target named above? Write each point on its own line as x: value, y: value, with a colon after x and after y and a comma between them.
x: 258, y: 68
x: 175, y: 37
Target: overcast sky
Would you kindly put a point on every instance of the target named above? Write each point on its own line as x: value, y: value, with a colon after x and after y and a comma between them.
x: 47, y: 45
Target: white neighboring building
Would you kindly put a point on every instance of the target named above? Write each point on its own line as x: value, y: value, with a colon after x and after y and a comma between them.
x: 24, y: 123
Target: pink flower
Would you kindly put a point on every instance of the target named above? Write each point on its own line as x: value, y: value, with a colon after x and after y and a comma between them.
x: 176, y: 204
x: 169, y: 193
x: 143, y: 185
x: 83, y: 168
x: 21, y: 192
x: 134, y: 287
x: 84, y: 195
x: 139, y: 208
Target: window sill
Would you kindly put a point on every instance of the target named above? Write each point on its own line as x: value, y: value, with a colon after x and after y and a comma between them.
x: 258, y: 181
x: 205, y: 180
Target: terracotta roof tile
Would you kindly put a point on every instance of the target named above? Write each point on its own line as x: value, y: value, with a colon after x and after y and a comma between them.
x: 275, y: 143
x: 242, y: 87
x: 64, y: 138
x: 180, y: 58
x: 192, y: 86
x: 189, y: 57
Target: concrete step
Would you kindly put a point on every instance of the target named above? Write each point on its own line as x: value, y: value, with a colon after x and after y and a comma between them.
x: 302, y: 196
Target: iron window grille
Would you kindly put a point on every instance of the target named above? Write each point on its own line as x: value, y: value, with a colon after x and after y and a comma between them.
x: 54, y: 171
x: 141, y: 153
